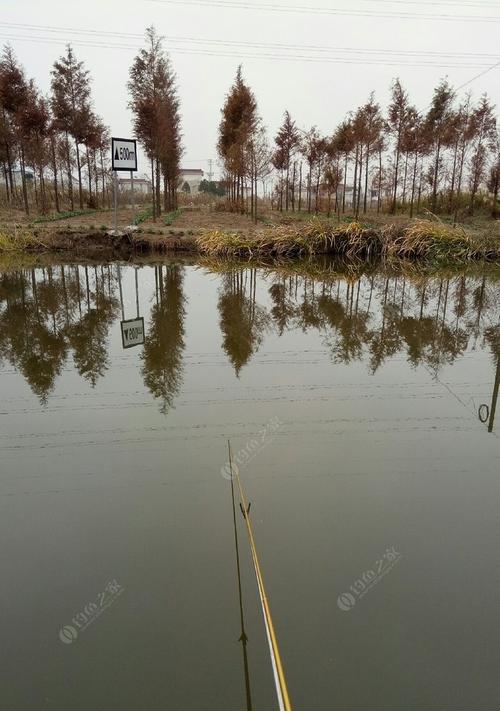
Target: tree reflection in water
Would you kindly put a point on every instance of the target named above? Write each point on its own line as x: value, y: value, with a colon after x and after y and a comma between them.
x: 242, y: 321
x: 41, y: 319
x: 162, y: 369
x: 375, y: 317
x: 50, y: 313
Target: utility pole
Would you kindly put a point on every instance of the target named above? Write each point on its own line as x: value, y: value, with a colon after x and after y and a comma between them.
x: 210, y: 171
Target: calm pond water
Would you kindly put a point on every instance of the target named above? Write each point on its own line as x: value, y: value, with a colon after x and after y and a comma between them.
x: 360, y: 409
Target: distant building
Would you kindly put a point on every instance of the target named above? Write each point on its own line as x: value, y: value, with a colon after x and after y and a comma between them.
x: 17, y: 177
x: 349, y: 195
x: 141, y: 184
x: 191, y: 176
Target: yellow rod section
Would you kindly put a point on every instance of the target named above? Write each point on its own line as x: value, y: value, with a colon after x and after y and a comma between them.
x: 279, y: 674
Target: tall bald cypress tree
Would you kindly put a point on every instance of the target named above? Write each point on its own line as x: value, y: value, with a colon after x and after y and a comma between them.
x: 71, y: 106
x: 238, y: 126
x: 155, y: 106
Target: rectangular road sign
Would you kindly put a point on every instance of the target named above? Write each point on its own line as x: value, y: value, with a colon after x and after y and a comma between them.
x: 124, y: 154
x: 133, y: 332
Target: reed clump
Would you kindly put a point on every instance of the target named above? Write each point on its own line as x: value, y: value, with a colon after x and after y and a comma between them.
x: 226, y: 244
x: 434, y: 241
x: 422, y: 239
x: 313, y: 238
x: 21, y: 241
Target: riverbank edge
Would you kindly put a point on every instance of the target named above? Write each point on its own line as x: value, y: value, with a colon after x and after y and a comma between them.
x: 417, y: 241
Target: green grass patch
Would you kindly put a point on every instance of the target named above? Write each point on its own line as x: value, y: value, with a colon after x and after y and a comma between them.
x: 171, y: 216
x: 144, y: 215
x: 65, y: 215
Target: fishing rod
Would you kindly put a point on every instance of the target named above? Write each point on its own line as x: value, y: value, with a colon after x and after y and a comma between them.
x: 278, y: 672
x: 243, y: 637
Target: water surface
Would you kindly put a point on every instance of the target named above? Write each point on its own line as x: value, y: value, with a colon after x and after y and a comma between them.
x: 360, y: 405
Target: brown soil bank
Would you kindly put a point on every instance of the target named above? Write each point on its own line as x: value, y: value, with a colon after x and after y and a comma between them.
x: 106, y: 243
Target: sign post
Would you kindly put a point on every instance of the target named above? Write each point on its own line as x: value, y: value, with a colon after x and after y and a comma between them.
x: 115, y: 193
x: 123, y: 158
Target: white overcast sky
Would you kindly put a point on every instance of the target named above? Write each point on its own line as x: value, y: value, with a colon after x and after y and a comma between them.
x: 314, y: 92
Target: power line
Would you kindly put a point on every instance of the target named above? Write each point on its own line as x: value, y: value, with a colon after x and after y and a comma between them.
x: 301, y: 9
x: 438, y: 3
x: 258, y: 45
x: 296, y: 57
x: 478, y: 76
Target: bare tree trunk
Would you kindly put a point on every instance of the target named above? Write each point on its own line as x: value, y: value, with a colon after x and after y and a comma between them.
x: 318, y: 181
x: 96, y: 178
x: 79, y: 167
x: 89, y: 172
x: 300, y: 186
x: 61, y: 179
x: 379, y: 198
x: 496, y: 188
x: 158, y: 188
x: 419, y: 195
x: 70, y: 177
x: 9, y: 158
x: 359, y: 180
x: 453, y: 178
x: 413, y: 184
x: 367, y: 163
x: 287, y: 184
x: 7, y: 191
x: 309, y: 191
x: 403, y: 201
x: 42, y: 190
x: 34, y: 185
x: 396, y: 170
x: 23, y: 178
x: 355, y: 181
x: 166, y: 194
x: 251, y: 192
x: 8, y: 173
x: 153, y: 194
x: 345, y: 182
x: 54, y: 169
x: 102, y: 177
x: 436, y: 173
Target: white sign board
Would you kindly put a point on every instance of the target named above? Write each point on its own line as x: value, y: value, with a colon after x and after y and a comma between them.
x: 124, y: 154
x: 133, y: 332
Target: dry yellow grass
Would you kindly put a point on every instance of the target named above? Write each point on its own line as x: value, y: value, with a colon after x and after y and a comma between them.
x: 423, y: 239
x: 20, y: 241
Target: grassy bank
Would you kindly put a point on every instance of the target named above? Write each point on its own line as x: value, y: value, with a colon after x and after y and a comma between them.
x: 419, y: 240
x: 422, y: 239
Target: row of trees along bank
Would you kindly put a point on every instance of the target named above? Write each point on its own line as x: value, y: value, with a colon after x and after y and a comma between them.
x: 446, y: 159
x: 51, y: 135
x: 57, y: 135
